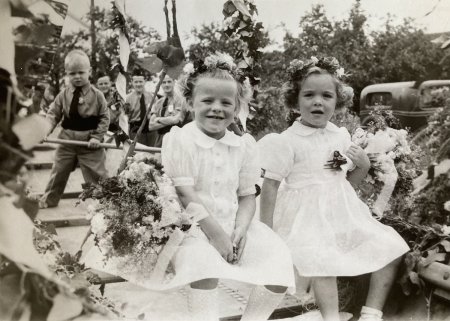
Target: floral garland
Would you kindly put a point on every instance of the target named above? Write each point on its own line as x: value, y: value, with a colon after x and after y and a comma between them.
x: 218, y: 61
x: 298, y: 68
x: 134, y: 216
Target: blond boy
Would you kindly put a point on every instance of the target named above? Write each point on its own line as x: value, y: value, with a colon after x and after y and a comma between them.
x: 84, y: 116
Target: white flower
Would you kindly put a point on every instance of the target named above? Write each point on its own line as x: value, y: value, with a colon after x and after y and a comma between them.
x: 314, y: 60
x: 447, y: 206
x: 189, y: 69
x: 360, y: 137
x: 340, y: 72
x: 392, y: 155
x: 446, y: 229
x: 98, y: 224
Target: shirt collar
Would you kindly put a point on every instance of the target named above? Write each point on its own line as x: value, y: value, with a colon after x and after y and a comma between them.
x: 84, y: 89
x: 203, y: 140
x: 303, y: 130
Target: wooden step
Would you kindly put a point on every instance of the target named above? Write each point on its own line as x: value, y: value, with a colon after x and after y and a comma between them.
x: 38, y: 180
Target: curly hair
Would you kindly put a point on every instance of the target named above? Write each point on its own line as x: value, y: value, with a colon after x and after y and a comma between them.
x: 217, y: 66
x: 292, y: 87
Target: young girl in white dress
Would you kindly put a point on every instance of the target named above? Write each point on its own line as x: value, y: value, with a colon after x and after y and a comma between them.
x: 328, y: 229
x: 216, y: 169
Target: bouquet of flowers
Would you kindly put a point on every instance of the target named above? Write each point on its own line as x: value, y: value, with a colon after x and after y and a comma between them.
x: 136, y: 220
x: 392, y: 157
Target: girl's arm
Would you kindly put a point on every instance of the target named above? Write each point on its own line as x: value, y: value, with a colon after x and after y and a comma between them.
x: 268, y: 199
x: 215, y: 233
x: 359, y: 157
x: 244, y: 216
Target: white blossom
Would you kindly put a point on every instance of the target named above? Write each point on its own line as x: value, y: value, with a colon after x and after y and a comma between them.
x: 314, y: 60
x: 340, y: 72
x: 447, y: 206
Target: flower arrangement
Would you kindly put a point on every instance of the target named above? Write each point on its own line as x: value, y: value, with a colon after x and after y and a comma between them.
x: 393, y: 160
x: 298, y: 68
x: 133, y: 217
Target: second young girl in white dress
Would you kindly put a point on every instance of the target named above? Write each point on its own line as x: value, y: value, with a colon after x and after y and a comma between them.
x: 328, y: 229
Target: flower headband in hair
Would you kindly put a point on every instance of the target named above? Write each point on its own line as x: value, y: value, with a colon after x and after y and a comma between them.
x: 217, y: 61
x: 298, y: 69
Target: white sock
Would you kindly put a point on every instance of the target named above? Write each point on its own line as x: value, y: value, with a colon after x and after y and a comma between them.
x: 203, y: 304
x: 371, y: 312
x: 261, y: 303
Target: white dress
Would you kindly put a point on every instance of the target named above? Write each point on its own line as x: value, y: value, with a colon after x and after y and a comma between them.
x: 328, y: 229
x: 221, y: 171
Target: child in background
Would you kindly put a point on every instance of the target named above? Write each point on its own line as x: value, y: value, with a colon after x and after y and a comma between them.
x: 328, y: 229
x: 82, y: 109
x: 215, y: 170
x: 167, y: 111
x: 113, y: 101
x: 136, y: 105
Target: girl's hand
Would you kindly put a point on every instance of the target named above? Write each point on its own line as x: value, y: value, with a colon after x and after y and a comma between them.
x: 358, y: 156
x: 239, y: 238
x: 221, y: 241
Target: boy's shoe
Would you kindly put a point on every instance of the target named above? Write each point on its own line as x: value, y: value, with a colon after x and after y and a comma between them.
x: 370, y: 314
x: 43, y: 204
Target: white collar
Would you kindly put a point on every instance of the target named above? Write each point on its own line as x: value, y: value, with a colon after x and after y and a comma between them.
x: 303, y: 130
x: 203, y: 140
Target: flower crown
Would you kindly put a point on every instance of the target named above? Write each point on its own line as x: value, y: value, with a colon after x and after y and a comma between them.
x: 217, y: 61
x: 298, y: 69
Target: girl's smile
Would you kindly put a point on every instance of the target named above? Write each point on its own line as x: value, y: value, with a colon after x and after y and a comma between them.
x: 317, y: 100
x: 214, y: 103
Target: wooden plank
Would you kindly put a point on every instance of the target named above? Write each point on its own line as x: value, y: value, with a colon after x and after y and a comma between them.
x: 443, y: 294
x: 436, y: 273
x: 65, y: 214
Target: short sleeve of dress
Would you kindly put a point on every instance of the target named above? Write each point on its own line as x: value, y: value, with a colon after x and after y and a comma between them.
x: 250, y: 170
x: 276, y: 156
x: 177, y: 157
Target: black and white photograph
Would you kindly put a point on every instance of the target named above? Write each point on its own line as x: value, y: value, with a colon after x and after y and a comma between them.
x: 206, y: 160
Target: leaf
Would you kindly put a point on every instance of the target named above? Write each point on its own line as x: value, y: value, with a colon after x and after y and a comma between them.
x: 64, y: 308
x: 228, y: 8
x: 242, y: 7
x: 151, y: 63
x: 102, y: 289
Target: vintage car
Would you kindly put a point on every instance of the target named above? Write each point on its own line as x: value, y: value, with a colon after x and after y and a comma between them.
x: 410, y: 101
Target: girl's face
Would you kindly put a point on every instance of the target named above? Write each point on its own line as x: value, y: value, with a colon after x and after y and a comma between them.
x: 214, y: 103
x: 317, y: 100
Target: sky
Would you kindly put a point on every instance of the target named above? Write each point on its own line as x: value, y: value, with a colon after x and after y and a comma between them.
x: 275, y: 13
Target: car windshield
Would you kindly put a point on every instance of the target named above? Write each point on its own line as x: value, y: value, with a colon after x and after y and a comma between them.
x: 434, y: 96
x: 379, y: 99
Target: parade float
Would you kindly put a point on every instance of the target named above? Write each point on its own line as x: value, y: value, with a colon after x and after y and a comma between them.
x: 42, y: 279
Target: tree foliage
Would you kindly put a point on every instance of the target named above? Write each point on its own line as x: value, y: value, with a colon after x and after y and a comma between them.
x: 107, y: 44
